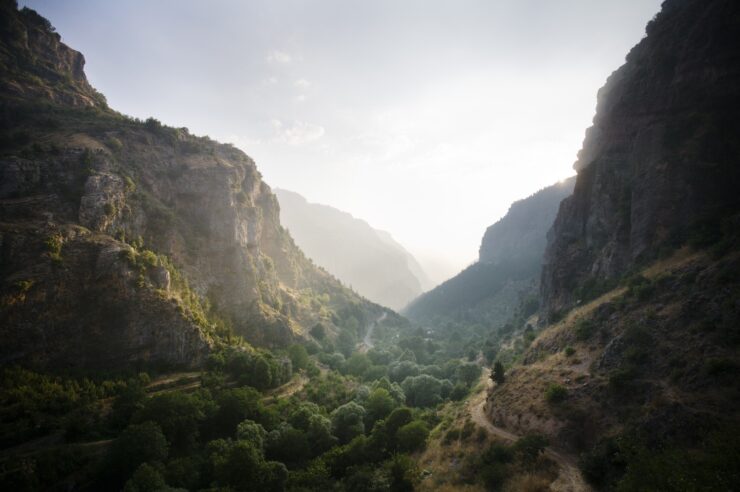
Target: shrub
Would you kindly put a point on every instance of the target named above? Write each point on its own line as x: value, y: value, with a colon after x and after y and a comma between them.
x: 412, y: 436
x: 585, y: 329
x: 499, y: 375
x: 529, y: 447
x: 555, y: 393
x: 569, y: 351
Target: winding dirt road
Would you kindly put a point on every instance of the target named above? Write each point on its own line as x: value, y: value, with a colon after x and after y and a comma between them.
x: 569, y: 478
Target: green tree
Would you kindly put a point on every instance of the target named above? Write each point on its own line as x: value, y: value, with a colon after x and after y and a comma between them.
x: 348, y: 421
x: 288, y: 445
x: 251, y: 431
x: 468, y: 373
x: 498, y: 375
x: 298, y: 357
x: 146, y: 478
x: 379, y: 405
x: 422, y: 391
x: 178, y: 415
x: 412, y: 436
x: 241, y: 467
x: 137, y: 444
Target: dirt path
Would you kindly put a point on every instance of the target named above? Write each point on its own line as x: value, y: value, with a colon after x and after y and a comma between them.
x: 569, y: 479
x: 367, y: 342
x: 288, y: 389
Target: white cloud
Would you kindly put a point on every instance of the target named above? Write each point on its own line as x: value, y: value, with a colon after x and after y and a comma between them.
x: 297, y: 132
x: 300, y: 98
x: 270, y: 81
x: 302, y: 84
x: 279, y: 57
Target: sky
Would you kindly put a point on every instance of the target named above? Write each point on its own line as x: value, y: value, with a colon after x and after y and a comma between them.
x: 425, y: 118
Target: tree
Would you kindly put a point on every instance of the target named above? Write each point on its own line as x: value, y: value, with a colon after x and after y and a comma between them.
x: 412, y: 436
x: 357, y: 364
x: 139, y: 443
x: 318, y: 331
x: 240, y: 466
x: 298, y: 356
x: 348, y: 421
x: 234, y: 406
x: 319, y: 434
x: 251, y: 431
x: 498, y: 373
x: 288, y: 445
x: 468, y: 373
x: 146, y: 478
x: 379, y: 405
x: 178, y: 415
x: 422, y: 391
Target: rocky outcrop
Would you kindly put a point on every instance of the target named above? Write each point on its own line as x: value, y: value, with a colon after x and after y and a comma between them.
x: 36, y: 64
x: 128, y: 242
x: 367, y: 259
x: 508, y: 268
x: 659, y: 164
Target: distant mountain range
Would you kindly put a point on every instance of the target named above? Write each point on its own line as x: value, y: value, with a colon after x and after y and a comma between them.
x: 367, y: 259
x: 507, y: 270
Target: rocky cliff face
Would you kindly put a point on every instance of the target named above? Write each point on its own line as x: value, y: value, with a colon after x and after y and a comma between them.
x: 659, y: 164
x: 124, y: 240
x: 367, y: 259
x: 634, y: 367
x: 507, y: 271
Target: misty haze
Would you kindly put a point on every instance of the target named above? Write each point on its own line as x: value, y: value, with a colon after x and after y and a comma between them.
x: 370, y: 246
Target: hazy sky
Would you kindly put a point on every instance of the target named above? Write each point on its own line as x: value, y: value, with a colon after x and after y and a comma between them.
x: 425, y: 118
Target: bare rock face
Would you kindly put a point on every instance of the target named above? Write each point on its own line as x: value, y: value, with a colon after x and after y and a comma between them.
x: 660, y: 162
x: 38, y: 64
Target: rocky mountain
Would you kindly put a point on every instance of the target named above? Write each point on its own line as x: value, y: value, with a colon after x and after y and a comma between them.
x: 508, y: 268
x: 634, y: 366
x: 128, y: 242
x: 367, y: 259
x: 659, y: 164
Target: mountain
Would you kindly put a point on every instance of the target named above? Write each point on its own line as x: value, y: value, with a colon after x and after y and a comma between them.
x: 126, y: 242
x: 367, y: 259
x: 635, y: 366
x: 508, y: 268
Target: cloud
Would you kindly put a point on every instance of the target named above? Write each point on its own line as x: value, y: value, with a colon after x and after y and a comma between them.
x: 300, y: 98
x: 270, y: 81
x: 302, y: 84
x: 279, y: 57
x: 297, y: 132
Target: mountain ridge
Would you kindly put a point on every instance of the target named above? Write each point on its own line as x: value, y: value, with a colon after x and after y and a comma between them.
x: 369, y: 260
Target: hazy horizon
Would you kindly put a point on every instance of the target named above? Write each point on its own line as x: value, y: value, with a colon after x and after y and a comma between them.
x: 425, y: 119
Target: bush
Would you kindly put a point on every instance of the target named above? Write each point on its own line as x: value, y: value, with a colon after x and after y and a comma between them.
x: 555, y: 393
x: 529, y: 447
x: 348, y: 421
x: 139, y: 443
x: 585, y: 329
x: 412, y: 436
x: 569, y: 351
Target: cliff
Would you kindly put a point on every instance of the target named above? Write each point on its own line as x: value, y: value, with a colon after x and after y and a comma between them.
x: 634, y: 367
x: 659, y: 165
x: 490, y: 290
x: 124, y: 241
x: 362, y: 257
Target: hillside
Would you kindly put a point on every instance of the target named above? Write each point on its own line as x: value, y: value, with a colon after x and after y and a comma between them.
x: 369, y: 260
x: 634, y: 366
x: 507, y: 271
x: 128, y: 242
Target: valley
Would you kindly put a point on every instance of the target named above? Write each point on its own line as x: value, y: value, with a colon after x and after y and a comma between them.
x: 170, y: 322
